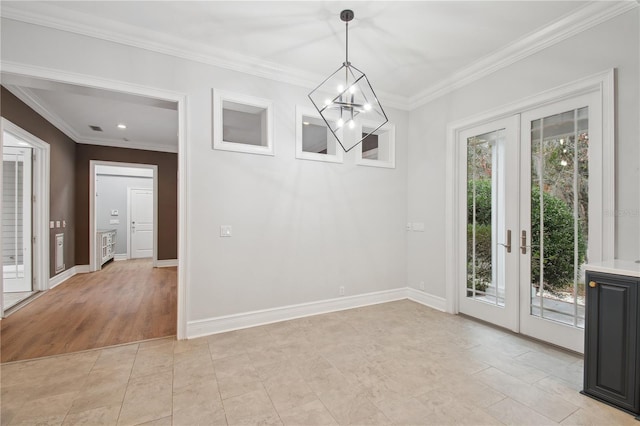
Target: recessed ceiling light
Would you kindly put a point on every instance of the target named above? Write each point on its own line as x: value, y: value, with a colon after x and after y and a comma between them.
x: 122, y: 126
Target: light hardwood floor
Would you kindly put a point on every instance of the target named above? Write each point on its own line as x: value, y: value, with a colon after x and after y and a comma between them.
x: 125, y: 302
x: 397, y: 363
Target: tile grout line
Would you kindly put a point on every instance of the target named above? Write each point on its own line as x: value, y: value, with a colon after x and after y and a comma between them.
x: 213, y: 365
x: 128, y: 382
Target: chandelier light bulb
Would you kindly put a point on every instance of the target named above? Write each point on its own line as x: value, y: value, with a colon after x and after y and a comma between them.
x: 351, y: 124
x: 367, y: 107
x: 340, y: 88
x: 340, y: 122
x: 327, y: 101
x: 352, y: 89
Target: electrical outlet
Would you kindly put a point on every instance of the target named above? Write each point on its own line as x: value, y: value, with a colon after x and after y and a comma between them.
x: 341, y: 290
x: 422, y: 285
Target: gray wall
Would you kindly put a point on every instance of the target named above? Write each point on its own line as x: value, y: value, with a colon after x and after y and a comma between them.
x: 301, y: 229
x: 111, y: 194
x: 612, y: 44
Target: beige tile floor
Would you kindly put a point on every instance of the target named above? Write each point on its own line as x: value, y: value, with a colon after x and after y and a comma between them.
x: 395, y: 363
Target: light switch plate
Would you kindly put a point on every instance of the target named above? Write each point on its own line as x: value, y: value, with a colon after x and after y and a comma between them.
x: 225, y: 230
x: 114, y: 212
x: 52, y: 224
x: 114, y: 221
x: 57, y: 224
x: 64, y: 223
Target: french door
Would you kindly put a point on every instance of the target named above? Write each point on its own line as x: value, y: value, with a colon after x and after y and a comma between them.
x: 16, y: 219
x: 487, y: 190
x: 524, y: 189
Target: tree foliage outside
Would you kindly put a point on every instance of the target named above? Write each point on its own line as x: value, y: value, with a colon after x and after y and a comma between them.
x: 482, y: 265
x: 558, y: 242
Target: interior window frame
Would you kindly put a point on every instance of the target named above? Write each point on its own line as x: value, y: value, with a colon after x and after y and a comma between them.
x: 219, y: 97
x: 338, y: 157
x: 389, y: 163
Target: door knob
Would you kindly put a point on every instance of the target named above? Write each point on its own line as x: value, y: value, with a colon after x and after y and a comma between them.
x: 592, y: 284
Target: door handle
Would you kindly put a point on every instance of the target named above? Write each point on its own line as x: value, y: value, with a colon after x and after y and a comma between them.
x: 508, y: 244
x: 523, y: 242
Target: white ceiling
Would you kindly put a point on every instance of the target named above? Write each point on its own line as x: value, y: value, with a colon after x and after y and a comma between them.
x: 151, y: 124
x: 409, y: 50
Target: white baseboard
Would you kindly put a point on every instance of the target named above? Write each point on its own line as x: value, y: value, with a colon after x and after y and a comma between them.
x: 209, y: 326
x: 165, y: 263
x: 118, y: 257
x: 435, y: 302
x: 62, y: 277
x: 82, y: 269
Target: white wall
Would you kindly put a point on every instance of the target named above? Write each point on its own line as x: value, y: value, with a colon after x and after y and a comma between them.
x: 614, y: 43
x: 301, y: 228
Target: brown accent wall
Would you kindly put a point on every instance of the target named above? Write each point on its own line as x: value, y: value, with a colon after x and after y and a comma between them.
x: 62, y: 171
x: 167, y: 194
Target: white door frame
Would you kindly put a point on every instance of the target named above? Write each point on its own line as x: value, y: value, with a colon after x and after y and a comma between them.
x: 155, y: 225
x: 93, y: 265
x: 183, y: 161
x: 603, y: 177
x: 41, y: 188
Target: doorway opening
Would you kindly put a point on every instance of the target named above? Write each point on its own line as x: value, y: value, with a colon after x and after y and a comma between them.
x: 25, y: 237
x: 123, y: 207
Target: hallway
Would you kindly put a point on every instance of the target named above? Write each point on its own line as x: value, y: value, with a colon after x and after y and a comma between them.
x: 125, y: 302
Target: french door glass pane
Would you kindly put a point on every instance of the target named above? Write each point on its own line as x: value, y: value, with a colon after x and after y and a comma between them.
x: 12, y: 216
x: 559, y: 207
x: 485, y: 279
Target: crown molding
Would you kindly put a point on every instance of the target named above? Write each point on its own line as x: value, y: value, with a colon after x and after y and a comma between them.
x: 70, y: 21
x: 36, y: 104
x: 588, y: 16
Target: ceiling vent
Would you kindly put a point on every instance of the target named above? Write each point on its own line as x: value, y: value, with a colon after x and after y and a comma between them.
x: 96, y: 128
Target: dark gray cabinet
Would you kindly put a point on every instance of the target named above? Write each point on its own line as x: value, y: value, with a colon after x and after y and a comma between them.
x: 611, y: 373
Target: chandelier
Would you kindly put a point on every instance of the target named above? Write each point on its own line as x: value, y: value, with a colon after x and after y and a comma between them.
x: 346, y: 101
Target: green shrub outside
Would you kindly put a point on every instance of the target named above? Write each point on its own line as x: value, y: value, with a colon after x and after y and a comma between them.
x: 483, y: 256
x: 558, y: 241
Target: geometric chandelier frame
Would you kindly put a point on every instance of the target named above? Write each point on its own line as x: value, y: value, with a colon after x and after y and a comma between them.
x: 346, y: 98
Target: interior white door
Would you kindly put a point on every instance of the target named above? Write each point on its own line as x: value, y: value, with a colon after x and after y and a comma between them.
x: 554, y: 218
x: 17, y: 219
x: 141, y: 223
x: 488, y: 163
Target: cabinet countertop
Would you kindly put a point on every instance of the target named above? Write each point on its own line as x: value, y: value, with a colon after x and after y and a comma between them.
x: 616, y: 266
